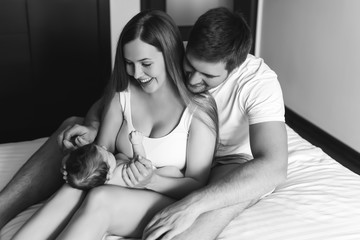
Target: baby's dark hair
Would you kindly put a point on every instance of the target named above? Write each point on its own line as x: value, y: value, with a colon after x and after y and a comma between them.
x: 86, y: 168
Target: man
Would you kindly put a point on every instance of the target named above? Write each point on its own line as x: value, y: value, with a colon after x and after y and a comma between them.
x: 252, y: 158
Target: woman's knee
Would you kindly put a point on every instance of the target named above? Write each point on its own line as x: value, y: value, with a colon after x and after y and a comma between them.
x: 101, y: 198
x: 96, y: 197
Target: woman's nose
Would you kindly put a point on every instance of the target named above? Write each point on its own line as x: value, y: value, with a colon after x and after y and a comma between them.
x: 137, y: 71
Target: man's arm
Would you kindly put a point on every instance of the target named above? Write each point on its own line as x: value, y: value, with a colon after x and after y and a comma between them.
x: 246, y: 183
x: 255, y: 178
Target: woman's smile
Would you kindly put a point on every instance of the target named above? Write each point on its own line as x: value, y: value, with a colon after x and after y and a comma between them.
x: 145, y: 80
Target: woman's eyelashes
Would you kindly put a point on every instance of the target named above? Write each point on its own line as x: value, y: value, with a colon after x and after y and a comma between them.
x: 146, y: 64
x: 143, y: 64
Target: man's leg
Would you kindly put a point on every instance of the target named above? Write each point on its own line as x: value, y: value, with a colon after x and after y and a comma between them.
x: 209, y: 225
x: 36, y: 180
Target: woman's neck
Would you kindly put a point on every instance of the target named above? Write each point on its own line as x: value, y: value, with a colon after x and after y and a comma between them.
x: 167, y: 93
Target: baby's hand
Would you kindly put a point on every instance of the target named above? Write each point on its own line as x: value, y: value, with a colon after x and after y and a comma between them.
x: 135, y: 137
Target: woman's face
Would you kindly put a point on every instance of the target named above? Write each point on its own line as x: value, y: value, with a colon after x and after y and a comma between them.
x: 146, y: 64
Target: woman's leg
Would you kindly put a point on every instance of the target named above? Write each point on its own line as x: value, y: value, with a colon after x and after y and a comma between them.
x: 209, y: 225
x: 53, y: 216
x: 114, y: 210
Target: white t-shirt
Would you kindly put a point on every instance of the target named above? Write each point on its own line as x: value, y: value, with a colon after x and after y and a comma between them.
x: 251, y: 94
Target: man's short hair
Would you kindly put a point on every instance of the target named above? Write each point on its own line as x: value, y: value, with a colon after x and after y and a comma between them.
x: 220, y: 35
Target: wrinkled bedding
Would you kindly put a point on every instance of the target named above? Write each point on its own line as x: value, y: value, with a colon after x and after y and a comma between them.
x: 319, y: 200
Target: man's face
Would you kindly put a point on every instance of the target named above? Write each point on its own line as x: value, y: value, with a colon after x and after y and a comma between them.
x: 202, y: 75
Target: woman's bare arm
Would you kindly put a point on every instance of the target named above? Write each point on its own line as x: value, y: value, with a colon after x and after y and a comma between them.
x: 111, y: 122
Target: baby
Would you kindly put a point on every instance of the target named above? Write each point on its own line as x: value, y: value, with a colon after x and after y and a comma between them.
x: 136, y: 139
x: 92, y: 165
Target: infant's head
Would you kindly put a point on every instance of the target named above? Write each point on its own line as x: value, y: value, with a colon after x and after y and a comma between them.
x: 88, y: 166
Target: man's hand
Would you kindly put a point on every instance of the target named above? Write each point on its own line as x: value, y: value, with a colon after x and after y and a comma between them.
x: 76, y: 136
x: 171, y: 221
x: 138, y: 172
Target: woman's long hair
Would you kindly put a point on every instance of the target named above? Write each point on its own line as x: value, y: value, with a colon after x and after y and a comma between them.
x: 156, y: 28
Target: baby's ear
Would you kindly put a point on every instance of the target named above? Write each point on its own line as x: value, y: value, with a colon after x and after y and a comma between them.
x: 63, y: 168
x: 108, y: 177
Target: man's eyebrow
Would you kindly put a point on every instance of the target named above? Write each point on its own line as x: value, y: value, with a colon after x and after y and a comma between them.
x: 206, y: 74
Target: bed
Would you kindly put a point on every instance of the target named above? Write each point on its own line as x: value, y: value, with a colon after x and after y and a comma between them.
x: 319, y: 200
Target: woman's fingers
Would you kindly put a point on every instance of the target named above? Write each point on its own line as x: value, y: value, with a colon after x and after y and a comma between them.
x: 147, y: 163
x: 80, y: 141
x: 141, y: 169
x: 60, y: 137
x: 129, y: 171
x: 68, y: 146
x: 125, y: 176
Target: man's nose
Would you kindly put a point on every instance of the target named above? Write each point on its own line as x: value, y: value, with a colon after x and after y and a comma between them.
x: 195, y: 78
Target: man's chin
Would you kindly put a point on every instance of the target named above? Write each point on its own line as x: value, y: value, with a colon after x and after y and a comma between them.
x: 195, y: 89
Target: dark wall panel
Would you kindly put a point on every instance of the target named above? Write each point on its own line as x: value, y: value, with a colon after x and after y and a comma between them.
x: 54, y: 63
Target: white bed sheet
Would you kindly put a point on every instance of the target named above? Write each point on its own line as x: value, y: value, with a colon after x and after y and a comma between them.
x: 320, y: 199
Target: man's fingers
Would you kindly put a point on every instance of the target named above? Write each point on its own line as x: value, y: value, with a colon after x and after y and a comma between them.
x: 156, y: 233
x: 168, y: 235
x: 150, y: 232
x: 150, y: 225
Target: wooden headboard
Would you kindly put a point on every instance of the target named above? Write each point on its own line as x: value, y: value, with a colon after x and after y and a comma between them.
x: 55, y: 59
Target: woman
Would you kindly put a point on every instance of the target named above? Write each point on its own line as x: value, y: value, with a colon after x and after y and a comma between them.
x: 147, y: 94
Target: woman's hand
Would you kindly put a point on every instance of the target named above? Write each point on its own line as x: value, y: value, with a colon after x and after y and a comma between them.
x: 76, y: 136
x: 138, y: 172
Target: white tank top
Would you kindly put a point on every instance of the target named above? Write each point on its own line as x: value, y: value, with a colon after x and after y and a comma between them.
x: 169, y: 150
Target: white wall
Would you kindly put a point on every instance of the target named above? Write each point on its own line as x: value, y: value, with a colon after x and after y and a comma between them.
x: 314, y: 46
x: 121, y: 11
x: 186, y: 12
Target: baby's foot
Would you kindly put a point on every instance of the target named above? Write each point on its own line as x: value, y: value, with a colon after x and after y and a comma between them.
x: 135, y: 137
